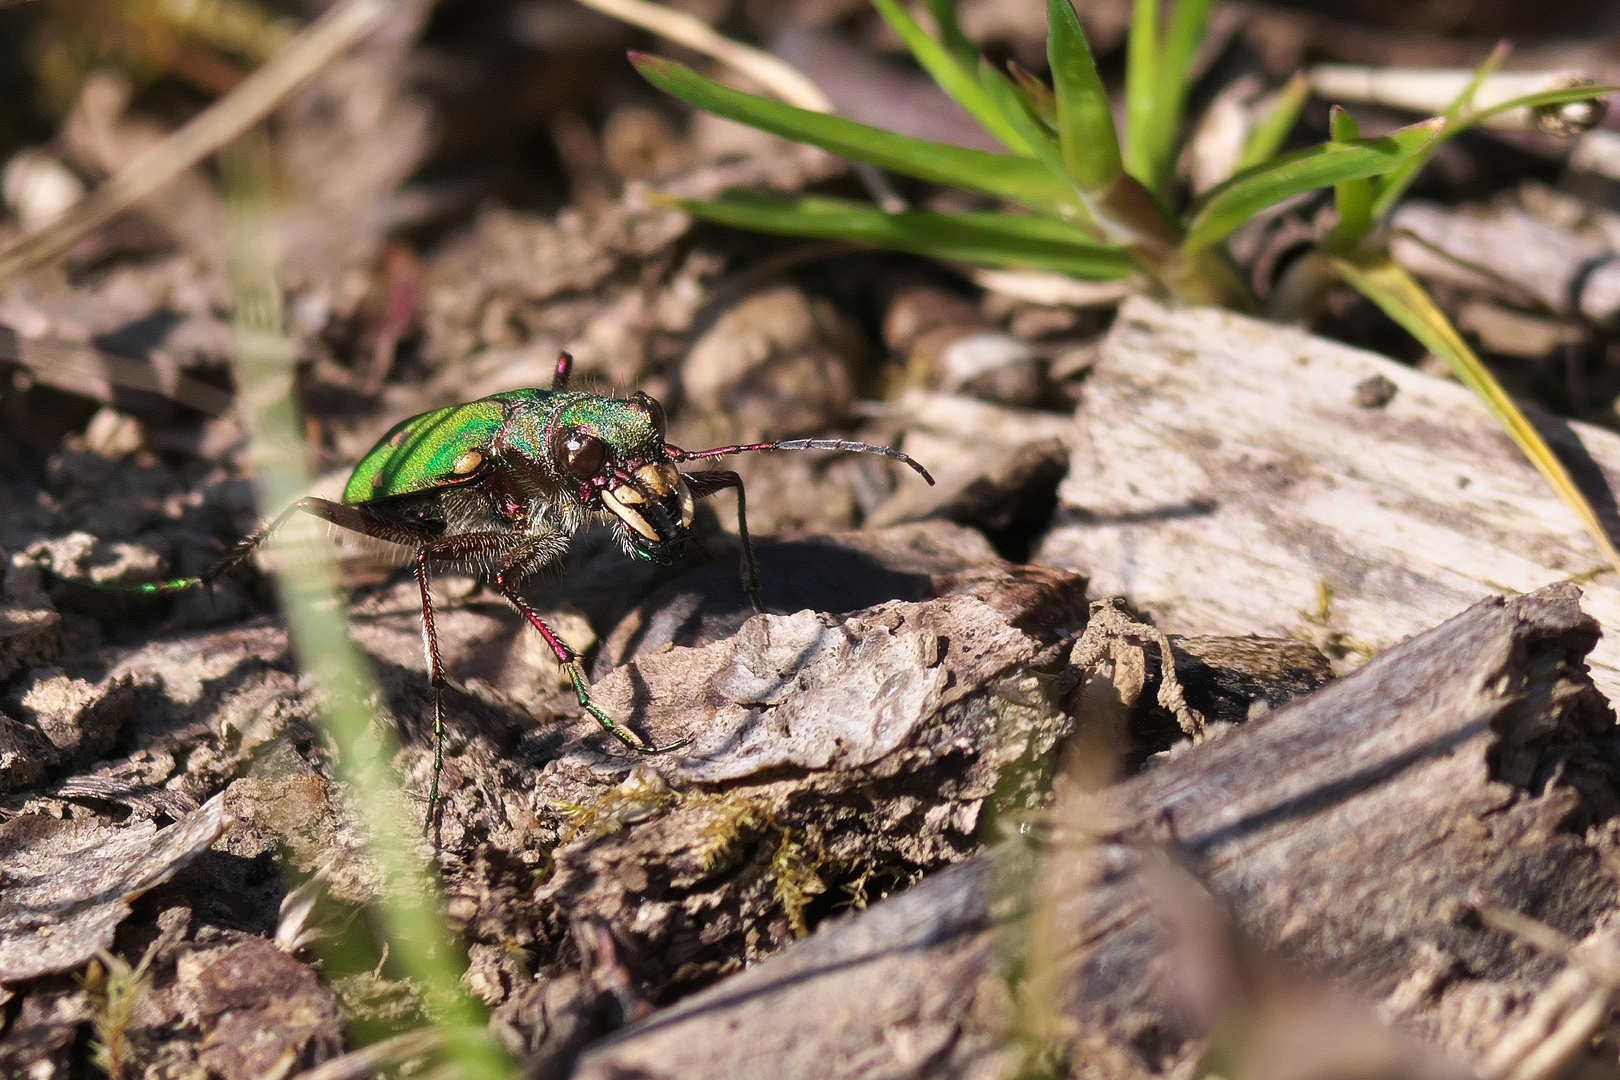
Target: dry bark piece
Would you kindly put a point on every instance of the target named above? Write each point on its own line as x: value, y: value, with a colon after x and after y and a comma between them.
x: 1225, y: 481
x: 1346, y: 832
x: 1510, y: 255
x: 24, y: 754
x: 813, y: 691
x: 904, y: 989
x: 70, y: 883
x: 144, y: 385
x: 262, y: 1013
x: 38, y: 1041
x: 833, y: 747
x: 840, y: 572
x: 78, y: 717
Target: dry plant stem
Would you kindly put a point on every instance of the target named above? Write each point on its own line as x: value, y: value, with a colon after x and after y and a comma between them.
x: 688, y: 30
x: 210, y: 130
x: 408, y: 906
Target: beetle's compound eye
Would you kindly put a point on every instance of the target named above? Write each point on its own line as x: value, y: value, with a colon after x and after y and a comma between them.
x: 581, y: 454
x: 467, y: 463
x: 654, y: 411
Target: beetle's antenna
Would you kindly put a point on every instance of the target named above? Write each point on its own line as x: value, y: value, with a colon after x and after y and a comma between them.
x: 677, y: 454
x: 565, y: 368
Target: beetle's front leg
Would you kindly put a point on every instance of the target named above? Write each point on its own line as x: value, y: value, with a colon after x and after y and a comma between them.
x: 576, y: 674
x: 704, y: 484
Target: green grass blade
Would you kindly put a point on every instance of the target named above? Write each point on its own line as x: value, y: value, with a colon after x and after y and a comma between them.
x: 1142, y: 90
x: 1388, y: 191
x: 1006, y: 176
x: 1270, y: 134
x: 1353, y: 198
x: 1037, y: 93
x: 1188, y: 24
x: 1249, y: 192
x: 1380, y: 280
x: 1004, y: 240
x: 1085, y: 123
x: 1021, y: 113
x: 950, y: 32
x: 953, y: 78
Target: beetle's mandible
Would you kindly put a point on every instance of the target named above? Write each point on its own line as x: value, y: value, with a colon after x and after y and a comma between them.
x: 498, y: 486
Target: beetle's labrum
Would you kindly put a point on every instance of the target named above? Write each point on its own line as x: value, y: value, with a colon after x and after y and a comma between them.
x: 499, y: 485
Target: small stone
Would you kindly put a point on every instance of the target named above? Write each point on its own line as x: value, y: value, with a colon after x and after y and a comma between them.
x: 1375, y: 392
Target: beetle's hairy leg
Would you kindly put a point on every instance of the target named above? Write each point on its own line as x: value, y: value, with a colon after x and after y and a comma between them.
x: 565, y: 368
x: 576, y: 674
x: 707, y: 483
x: 677, y: 454
x: 436, y: 679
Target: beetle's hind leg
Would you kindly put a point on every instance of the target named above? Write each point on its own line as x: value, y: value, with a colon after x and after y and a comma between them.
x: 576, y: 673
x: 436, y: 679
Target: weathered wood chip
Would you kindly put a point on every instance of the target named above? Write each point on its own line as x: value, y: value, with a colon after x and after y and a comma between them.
x: 812, y: 691
x: 1225, y: 480
x: 68, y: 884
x: 1348, y: 833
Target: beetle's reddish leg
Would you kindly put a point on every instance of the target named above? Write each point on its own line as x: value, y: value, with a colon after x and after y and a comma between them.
x: 565, y: 368
x: 704, y: 484
x: 576, y: 674
x: 436, y: 679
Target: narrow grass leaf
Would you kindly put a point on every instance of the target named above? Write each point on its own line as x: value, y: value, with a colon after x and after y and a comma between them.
x: 1271, y: 133
x: 1390, y: 189
x: 953, y: 78
x: 950, y: 32
x: 1085, y: 122
x: 1039, y: 95
x: 1004, y: 240
x: 1021, y: 113
x: 1249, y: 192
x: 1353, y: 198
x: 1188, y: 24
x: 1007, y: 176
x: 1142, y: 89
x: 1380, y: 280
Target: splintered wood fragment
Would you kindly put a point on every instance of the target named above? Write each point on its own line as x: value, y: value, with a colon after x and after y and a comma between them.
x: 1344, y: 836
x: 1231, y: 476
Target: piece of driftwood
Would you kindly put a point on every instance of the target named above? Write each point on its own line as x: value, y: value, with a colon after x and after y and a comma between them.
x: 1354, y: 832
x: 1233, y: 477
x: 1512, y: 256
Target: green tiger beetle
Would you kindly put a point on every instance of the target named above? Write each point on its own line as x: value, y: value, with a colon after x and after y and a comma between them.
x: 498, y: 486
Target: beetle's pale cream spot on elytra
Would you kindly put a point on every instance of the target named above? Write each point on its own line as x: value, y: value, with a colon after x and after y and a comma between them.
x: 467, y: 463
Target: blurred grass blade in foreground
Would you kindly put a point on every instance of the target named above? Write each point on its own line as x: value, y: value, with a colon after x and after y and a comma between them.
x: 408, y: 904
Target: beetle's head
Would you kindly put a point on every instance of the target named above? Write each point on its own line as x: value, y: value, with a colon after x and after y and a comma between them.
x: 614, y: 451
